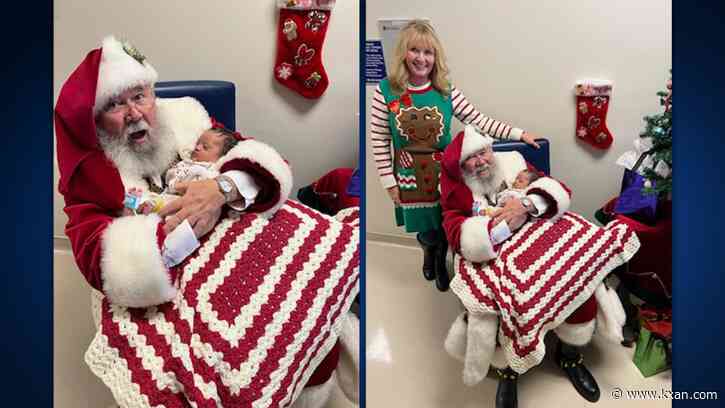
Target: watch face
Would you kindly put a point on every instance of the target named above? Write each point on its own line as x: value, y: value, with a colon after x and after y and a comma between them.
x: 225, y: 185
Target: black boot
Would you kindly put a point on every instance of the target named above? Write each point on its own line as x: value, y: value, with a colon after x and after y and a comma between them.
x: 572, y: 362
x: 428, y: 242
x: 441, y: 272
x: 506, y: 390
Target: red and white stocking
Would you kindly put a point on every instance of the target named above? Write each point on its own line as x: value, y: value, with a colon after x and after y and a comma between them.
x: 592, y: 103
x: 301, y: 33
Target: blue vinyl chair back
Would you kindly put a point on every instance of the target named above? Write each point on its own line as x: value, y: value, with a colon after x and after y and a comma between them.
x: 218, y: 97
x: 539, y: 158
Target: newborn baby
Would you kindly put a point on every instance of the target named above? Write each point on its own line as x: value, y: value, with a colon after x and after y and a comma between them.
x: 518, y: 190
x: 210, y: 147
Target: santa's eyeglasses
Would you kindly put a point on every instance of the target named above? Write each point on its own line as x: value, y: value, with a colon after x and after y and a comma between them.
x: 480, y: 155
x: 140, y: 98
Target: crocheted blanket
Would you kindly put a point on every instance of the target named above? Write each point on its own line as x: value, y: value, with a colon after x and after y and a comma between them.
x: 542, y: 274
x: 259, y: 307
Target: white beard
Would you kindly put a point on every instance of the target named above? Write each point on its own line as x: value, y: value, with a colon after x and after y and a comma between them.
x: 485, y: 187
x: 149, y: 161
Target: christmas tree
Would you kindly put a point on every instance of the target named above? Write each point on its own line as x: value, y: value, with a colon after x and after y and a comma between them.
x: 657, y: 159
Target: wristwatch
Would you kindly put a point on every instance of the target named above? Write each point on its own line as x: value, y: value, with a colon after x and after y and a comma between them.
x: 528, y: 205
x: 226, y: 186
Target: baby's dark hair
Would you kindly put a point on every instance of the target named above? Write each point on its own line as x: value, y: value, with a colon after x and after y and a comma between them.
x: 230, y: 139
x: 532, y: 175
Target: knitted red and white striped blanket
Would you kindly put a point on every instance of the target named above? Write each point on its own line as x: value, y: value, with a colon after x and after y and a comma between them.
x: 542, y: 274
x: 260, y: 305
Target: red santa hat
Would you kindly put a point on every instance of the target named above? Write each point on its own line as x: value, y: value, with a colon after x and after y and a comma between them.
x: 122, y: 67
x: 103, y: 74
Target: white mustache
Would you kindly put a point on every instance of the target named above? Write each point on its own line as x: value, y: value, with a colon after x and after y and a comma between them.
x: 136, y: 127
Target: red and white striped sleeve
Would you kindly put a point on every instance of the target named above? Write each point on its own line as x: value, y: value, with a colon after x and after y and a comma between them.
x: 381, y: 138
x: 468, y: 114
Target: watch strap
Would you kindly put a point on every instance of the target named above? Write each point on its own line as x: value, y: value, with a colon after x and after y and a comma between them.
x: 226, y: 187
x: 528, y: 205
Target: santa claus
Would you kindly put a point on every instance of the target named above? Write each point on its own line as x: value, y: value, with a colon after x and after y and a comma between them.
x: 472, y: 175
x: 114, y: 136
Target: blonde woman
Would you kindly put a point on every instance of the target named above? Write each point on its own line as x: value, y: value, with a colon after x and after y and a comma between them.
x: 412, y: 110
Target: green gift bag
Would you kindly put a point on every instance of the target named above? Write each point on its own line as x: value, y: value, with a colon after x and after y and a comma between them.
x: 653, y: 353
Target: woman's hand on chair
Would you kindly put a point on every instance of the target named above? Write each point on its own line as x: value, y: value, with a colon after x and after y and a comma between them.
x: 529, y: 138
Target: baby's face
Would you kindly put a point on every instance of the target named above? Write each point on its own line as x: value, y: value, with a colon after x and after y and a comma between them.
x: 521, y: 181
x: 208, y: 148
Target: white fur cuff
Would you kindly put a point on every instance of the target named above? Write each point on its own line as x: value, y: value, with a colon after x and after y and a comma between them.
x: 268, y: 158
x: 455, y: 343
x: 315, y: 396
x: 480, y: 345
x: 476, y: 243
x: 348, y: 368
x: 132, y: 268
x: 577, y: 334
x: 610, y: 314
x: 473, y: 342
x: 554, y: 193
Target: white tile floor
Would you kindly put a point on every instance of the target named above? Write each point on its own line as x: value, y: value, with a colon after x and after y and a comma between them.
x: 412, y: 317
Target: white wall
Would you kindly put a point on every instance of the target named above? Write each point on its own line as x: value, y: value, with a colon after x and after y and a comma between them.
x: 233, y: 41
x: 518, y: 61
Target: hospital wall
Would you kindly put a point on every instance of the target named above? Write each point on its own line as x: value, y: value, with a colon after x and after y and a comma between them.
x: 188, y: 40
x: 518, y: 62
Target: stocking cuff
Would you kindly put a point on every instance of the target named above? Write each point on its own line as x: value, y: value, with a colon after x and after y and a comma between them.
x: 593, y: 87
x: 306, y: 4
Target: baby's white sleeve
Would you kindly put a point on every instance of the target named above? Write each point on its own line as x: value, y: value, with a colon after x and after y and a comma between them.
x: 539, y: 203
x: 246, y: 186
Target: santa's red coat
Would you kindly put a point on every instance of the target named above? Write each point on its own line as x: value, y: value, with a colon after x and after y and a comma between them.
x: 121, y: 256
x: 468, y: 234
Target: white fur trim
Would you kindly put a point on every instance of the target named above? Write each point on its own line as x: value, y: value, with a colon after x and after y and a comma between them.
x: 473, y: 141
x: 509, y: 165
x: 476, y: 244
x: 132, y: 269
x: 499, y: 359
x: 480, y: 346
x: 556, y: 191
x: 186, y: 118
x: 96, y: 305
x: 610, y: 314
x: 348, y: 367
x: 118, y: 72
x: 268, y: 158
x: 594, y: 82
x: 455, y: 343
x: 577, y: 334
x: 315, y: 396
x: 593, y: 87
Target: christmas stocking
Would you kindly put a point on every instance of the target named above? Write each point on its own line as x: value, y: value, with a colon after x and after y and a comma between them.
x: 300, y: 35
x: 592, y: 101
